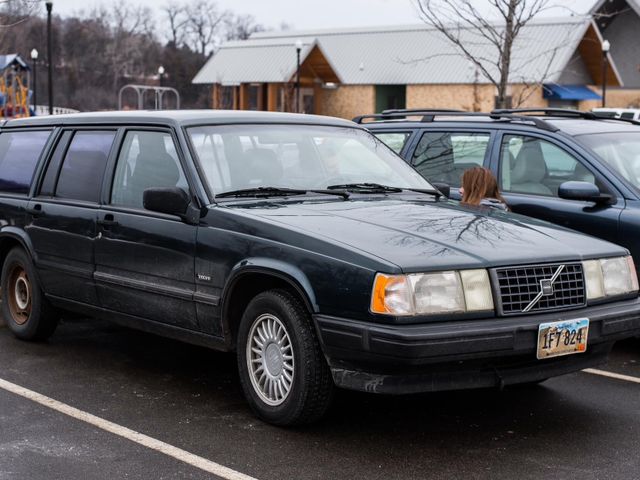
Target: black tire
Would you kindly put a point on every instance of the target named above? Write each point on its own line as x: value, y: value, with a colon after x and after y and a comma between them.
x: 310, y: 391
x: 26, y: 311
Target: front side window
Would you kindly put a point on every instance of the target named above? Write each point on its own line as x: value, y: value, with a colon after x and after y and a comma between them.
x: 19, y: 154
x: 147, y: 160
x: 619, y: 150
x: 84, y: 164
x: 444, y: 156
x: 536, y: 166
x: 394, y: 140
x: 296, y: 156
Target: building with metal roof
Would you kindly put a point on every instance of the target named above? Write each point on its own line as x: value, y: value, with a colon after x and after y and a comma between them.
x: 345, y: 72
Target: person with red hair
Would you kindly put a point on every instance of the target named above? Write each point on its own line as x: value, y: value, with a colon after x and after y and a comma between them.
x: 480, y: 187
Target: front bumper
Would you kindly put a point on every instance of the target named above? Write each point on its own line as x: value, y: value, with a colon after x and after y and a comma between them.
x: 401, y: 359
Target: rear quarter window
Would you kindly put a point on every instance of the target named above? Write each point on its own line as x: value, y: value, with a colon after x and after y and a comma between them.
x: 19, y: 154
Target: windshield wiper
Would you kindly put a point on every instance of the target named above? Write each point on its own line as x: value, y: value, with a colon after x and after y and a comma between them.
x: 435, y: 193
x: 366, y: 187
x: 378, y: 188
x: 265, y: 192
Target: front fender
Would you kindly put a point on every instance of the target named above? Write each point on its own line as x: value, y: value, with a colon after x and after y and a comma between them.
x: 283, y: 270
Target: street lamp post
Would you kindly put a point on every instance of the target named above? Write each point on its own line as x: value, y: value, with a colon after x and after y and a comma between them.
x: 606, y: 46
x: 298, y: 50
x: 161, y: 72
x: 34, y: 57
x: 49, y: 6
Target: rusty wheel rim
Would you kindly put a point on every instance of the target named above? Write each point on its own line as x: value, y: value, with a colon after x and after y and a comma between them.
x: 19, y: 293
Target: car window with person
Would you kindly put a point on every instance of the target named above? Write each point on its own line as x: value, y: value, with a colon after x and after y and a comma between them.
x: 480, y: 188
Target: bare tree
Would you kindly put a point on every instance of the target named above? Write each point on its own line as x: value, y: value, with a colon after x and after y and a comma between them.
x: 240, y: 27
x: 205, y: 23
x: 178, y: 22
x: 468, y: 28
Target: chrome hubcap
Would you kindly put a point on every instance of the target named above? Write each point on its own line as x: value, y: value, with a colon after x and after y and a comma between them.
x: 270, y: 359
x: 22, y: 293
x: 19, y: 293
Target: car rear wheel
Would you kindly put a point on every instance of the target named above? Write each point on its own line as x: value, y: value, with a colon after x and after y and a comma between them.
x: 27, y: 313
x: 283, y: 373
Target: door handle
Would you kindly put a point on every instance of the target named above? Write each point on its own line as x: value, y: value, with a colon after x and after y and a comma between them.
x: 108, y: 221
x: 35, y: 210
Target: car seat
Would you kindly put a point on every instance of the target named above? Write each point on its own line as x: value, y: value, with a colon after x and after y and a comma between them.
x: 528, y: 170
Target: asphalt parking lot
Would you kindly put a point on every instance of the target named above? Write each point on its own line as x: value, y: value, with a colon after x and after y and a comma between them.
x: 185, y: 405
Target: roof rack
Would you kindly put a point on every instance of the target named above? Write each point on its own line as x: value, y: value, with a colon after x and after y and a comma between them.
x: 428, y: 116
x: 416, y: 111
x: 562, y: 112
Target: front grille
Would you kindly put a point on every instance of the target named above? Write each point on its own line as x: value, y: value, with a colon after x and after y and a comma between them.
x: 517, y: 287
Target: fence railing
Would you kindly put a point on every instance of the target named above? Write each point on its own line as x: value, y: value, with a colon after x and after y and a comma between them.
x: 44, y: 110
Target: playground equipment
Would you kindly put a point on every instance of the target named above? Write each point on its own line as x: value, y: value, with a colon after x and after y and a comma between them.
x: 141, y: 90
x: 15, y: 78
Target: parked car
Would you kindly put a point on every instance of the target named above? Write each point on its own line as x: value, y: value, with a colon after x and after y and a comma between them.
x: 303, y: 244
x: 571, y: 168
x: 628, y: 113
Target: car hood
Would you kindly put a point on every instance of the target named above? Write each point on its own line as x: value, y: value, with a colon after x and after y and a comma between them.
x: 420, y: 235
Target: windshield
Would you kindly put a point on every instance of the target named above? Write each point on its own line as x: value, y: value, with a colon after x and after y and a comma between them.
x: 235, y: 157
x: 621, y: 151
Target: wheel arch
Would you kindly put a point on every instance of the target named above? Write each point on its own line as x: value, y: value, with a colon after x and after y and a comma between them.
x: 253, y: 276
x: 11, y: 237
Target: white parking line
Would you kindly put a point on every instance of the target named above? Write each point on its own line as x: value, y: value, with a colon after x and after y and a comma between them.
x: 139, y: 438
x: 617, y: 376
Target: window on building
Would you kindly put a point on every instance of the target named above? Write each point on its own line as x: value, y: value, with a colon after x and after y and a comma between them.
x: 19, y: 154
x: 254, y: 97
x: 146, y: 160
x: 84, y: 165
x: 227, y: 98
x: 536, y: 166
x: 442, y: 157
x: 390, y: 97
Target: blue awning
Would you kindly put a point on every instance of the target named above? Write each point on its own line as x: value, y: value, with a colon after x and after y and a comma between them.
x: 569, y: 92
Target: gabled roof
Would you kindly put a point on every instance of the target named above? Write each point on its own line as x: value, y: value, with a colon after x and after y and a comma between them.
x: 248, y: 61
x: 634, y: 4
x: 414, y: 54
x: 12, y: 59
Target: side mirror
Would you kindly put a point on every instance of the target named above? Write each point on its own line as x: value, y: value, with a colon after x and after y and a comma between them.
x: 584, y: 191
x: 171, y: 200
x: 444, y: 189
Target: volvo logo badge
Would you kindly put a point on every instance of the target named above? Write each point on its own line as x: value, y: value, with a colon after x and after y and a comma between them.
x: 546, y: 288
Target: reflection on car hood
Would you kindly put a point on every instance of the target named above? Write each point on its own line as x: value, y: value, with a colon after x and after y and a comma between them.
x: 422, y: 235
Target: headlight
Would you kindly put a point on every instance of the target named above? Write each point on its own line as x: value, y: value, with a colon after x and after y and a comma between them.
x: 610, y: 277
x: 432, y: 293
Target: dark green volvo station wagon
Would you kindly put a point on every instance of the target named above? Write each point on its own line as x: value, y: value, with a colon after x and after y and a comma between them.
x: 303, y: 244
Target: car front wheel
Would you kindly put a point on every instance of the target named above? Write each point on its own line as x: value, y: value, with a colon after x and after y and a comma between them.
x: 283, y: 373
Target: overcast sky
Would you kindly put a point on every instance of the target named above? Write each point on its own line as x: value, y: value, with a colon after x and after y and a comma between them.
x: 306, y: 14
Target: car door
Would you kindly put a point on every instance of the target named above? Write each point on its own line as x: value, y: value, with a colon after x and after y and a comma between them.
x: 442, y: 156
x: 531, y: 167
x: 145, y: 259
x: 64, y: 211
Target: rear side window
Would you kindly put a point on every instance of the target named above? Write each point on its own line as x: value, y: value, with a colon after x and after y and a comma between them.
x: 444, y: 156
x: 84, y: 164
x: 19, y: 154
x: 394, y: 140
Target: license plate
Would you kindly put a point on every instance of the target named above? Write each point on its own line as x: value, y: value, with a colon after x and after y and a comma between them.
x: 562, y: 338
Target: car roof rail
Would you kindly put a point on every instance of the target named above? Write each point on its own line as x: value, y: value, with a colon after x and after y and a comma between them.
x: 429, y: 116
x: 415, y: 111
x: 562, y: 112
